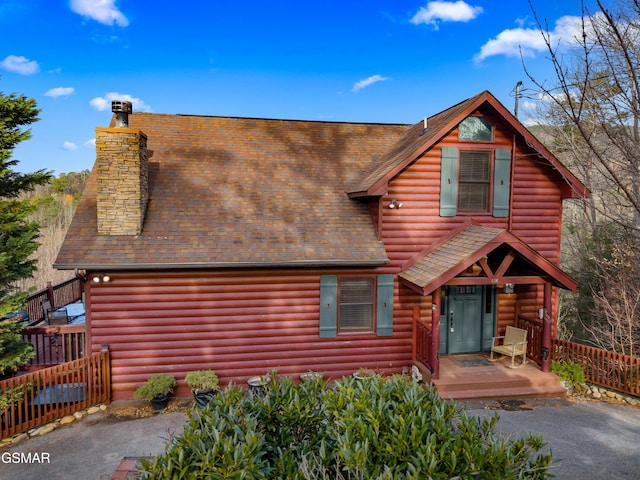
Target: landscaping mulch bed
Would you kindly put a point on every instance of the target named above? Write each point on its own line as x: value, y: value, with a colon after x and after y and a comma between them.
x: 132, y: 410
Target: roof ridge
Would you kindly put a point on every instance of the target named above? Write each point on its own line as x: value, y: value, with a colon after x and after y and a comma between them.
x: 272, y: 119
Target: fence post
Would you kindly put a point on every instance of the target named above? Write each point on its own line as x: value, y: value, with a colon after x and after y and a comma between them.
x: 50, y: 294
x: 106, y: 378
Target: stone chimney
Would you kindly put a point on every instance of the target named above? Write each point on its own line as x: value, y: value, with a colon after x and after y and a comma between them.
x: 123, y: 178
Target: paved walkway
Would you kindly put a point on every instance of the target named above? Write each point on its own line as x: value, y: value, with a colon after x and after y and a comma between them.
x: 589, y: 440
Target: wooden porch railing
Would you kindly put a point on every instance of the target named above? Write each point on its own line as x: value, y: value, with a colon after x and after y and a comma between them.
x: 533, y: 326
x: 58, y: 295
x: 601, y: 367
x: 32, y: 399
x: 423, y: 344
x: 54, y: 344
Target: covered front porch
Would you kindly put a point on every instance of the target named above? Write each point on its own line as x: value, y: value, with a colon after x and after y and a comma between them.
x: 477, y: 282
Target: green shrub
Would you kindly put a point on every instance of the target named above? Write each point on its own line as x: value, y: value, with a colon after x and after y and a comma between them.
x: 569, y: 372
x: 386, y: 428
x: 202, y: 380
x: 157, y: 385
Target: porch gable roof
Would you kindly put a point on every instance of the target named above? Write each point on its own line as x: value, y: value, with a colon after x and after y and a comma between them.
x: 467, y: 245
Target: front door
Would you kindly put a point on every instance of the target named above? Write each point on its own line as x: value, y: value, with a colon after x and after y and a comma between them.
x: 466, y: 319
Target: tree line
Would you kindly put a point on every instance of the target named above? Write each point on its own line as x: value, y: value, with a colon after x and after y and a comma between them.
x: 590, y: 114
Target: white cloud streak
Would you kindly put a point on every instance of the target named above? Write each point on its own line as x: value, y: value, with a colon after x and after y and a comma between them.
x: 440, y: 11
x: 20, y: 65
x: 368, y: 81
x: 529, y: 41
x: 102, y: 11
x: 104, y: 103
x: 59, y: 92
x: 69, y: 146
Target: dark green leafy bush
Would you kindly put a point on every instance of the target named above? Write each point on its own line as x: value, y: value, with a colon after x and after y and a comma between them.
x: 385, y: 428
x: 569, y: 372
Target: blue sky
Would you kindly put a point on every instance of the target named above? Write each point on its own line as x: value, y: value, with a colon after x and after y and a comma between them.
x: 387, y: 61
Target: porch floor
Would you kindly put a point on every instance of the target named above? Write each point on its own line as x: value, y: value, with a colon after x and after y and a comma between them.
x: 494, y: 380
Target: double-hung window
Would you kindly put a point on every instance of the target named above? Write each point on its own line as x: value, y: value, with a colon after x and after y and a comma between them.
x: 356, y: 304
x: 474, y: 185
x: 475, y: 177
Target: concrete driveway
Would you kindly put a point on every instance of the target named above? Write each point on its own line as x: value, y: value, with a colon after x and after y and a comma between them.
x: 92, y: 448
x: 589, y: 440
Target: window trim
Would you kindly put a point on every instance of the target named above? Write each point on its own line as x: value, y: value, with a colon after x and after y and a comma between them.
x: 500, y: 180
x: 489, y: 182
x: 371, y: 328
x: 384, y: 295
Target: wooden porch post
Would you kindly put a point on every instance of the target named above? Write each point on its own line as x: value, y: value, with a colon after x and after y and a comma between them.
x: 414, y: 333
x: 546, y: 329
x: 435, y: 333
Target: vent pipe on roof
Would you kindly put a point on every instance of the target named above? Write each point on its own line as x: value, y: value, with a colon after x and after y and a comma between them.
x: 425, y: 125
x: 122, y: 109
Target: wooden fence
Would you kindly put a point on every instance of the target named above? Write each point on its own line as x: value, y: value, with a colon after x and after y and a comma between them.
x: 54, y: 344
x: 58, y: 295
x: 601, y: 367
x: 32, y: 399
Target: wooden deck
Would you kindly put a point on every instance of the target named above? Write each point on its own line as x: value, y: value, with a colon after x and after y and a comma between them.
x: 487, y: 380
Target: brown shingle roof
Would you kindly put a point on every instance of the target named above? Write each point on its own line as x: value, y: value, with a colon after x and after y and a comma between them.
x: 452, y: 253
x: 463, y: 248
x: 411, y: 145
x: 238, y: 191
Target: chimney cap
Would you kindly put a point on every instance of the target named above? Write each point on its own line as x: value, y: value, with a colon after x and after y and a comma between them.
x: 121, y: 106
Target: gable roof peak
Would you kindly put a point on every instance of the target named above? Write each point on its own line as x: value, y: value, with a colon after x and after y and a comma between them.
x: 417, y: 140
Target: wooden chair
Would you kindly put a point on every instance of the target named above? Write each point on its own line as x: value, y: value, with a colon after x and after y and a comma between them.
x: 512, y: 344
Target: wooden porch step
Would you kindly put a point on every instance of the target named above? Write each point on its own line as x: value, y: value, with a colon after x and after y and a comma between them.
x: 495, y: 380
x: 505, y: 393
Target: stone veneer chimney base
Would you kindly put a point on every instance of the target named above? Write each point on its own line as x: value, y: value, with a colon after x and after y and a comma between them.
x: 123, y: 180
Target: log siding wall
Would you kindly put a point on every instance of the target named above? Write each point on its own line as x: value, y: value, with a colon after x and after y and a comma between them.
x: 238, y: 323
x: 535, y: 216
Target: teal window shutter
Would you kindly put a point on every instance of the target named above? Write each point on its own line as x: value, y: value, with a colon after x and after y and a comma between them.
x: 501, y: 182
x: 448, y: 181
x: 328, y: 306
x: 384, y: 309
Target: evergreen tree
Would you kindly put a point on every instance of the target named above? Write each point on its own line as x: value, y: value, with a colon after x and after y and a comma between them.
x: 18, y: 235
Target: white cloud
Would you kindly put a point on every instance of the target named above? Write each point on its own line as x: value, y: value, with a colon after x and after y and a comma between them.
x: 69, y: 146
x: 20, y: 65
x: 529, y: 41
x: 368, y: 81
x: 459, y: 11
x: 59, y: 92
x: 104, y: 103
x: 91, y: 143
x: 103, y: 11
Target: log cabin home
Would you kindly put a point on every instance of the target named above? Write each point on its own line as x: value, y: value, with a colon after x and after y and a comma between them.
x: 244, y: 245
